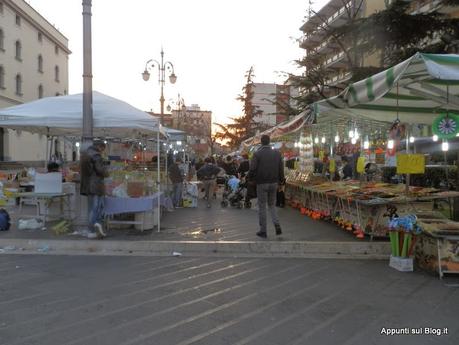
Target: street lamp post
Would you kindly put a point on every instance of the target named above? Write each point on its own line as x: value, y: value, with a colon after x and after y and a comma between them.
x: 162, y: 67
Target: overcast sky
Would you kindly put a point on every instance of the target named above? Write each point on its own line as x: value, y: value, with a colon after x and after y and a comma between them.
x: 211, y: 44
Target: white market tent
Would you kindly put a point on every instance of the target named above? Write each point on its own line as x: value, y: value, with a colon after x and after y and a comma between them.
x: 417, y: 89
x: 63, y: 116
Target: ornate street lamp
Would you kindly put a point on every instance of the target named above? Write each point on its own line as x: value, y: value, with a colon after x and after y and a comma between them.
x: 162, y: 66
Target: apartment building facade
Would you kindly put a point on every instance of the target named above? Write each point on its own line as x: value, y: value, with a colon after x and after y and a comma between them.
x: 33, y: 64
x: 330, y: 55
x: 327, y: 53
x: 272, y: 102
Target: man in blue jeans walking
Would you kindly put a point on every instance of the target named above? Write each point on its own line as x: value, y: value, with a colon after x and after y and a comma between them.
x: 267, y: 171
x: 93, y: 172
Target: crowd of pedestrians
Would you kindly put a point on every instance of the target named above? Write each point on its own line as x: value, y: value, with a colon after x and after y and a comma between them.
x: 263, y: 175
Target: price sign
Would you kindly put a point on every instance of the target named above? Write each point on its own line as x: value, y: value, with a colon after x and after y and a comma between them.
x: 411, y: 164
x: 332, y: 167
x: 361, y: 165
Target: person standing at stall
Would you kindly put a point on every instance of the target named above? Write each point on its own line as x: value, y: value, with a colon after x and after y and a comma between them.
x: 347, y: 169
x: 267, y: 170
x: 176, y: 177
x: 93, y: 172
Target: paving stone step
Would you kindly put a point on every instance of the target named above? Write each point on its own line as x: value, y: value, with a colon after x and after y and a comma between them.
x: 293, y: 249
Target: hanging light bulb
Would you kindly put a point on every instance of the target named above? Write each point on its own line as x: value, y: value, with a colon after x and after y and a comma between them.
x: 295, y: 144
x: 316, y: 140
x: 351, y: 133
x: 356, y: 134
x: 390, y: 144
x: 353, y: 141
x: 323, y: 140
x: 445, y: 146
x: 336, y: 138
x: 411, y: 139
x: 435, y: 137
x: 366, y: 143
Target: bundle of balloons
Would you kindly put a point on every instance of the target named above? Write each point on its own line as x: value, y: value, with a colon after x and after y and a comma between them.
x: 401, y: 233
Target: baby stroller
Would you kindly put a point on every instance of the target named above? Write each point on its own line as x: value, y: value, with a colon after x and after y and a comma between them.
x: 234, y: 192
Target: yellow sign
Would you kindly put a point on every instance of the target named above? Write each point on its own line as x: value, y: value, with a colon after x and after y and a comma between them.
x: 411, y: 164
x: 332, y: 167
x: 361, y: 165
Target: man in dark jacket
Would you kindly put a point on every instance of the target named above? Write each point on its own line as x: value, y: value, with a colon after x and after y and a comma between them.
x: 176, y: 177
x: 267, y: 170
x: 93, y: 172
x: 208, y: 175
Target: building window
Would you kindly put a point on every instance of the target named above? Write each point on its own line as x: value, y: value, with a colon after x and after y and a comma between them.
x: 40, y: 63
x: 40, y: 91
x: 18, y: 20
x: 56, y: 73
x: 18, y: 50
x: 2, y: 40
x: 56, y: 49
x: 18, y: 85
x: 40, y: 37
x: 2, y: 77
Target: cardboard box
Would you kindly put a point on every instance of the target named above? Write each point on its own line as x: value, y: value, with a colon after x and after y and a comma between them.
x: 401, y: 264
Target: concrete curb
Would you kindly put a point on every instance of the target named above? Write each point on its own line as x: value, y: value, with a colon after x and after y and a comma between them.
x: 275, y: 249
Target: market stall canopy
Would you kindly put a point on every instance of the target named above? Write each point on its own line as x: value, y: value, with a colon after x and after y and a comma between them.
x: 63, y: 116
x: 280, y: 130
x: 174, y: 134
x: 417, y: 89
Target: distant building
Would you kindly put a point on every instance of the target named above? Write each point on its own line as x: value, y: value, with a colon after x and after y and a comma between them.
x: 165, y: 119
x: 197, y: 124
x: 273, y: 102
x: 33, y: 65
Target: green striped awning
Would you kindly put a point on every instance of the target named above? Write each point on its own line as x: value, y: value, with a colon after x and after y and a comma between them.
x: 416, y: 89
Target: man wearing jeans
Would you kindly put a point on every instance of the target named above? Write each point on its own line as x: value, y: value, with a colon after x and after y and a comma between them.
x: 208, y: 175
x: 93, y: 172
x: 267, y: 170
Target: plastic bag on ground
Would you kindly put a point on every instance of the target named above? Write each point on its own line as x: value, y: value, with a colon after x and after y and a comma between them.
x: 31, y: 224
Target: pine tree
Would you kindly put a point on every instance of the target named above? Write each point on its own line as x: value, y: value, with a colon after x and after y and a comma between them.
x: 245, y: 126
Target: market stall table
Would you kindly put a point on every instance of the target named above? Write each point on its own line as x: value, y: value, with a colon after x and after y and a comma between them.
x: 45, y: 200
x: 118, y: 205
x: 357, y: 206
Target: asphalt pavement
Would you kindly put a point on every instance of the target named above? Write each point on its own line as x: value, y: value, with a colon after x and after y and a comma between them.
x: 56, y: 300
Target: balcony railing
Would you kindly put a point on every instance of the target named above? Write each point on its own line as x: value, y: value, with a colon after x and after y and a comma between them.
x: 333, y: 59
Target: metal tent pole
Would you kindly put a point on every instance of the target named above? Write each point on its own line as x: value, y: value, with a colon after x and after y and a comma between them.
x: 159, y: 179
